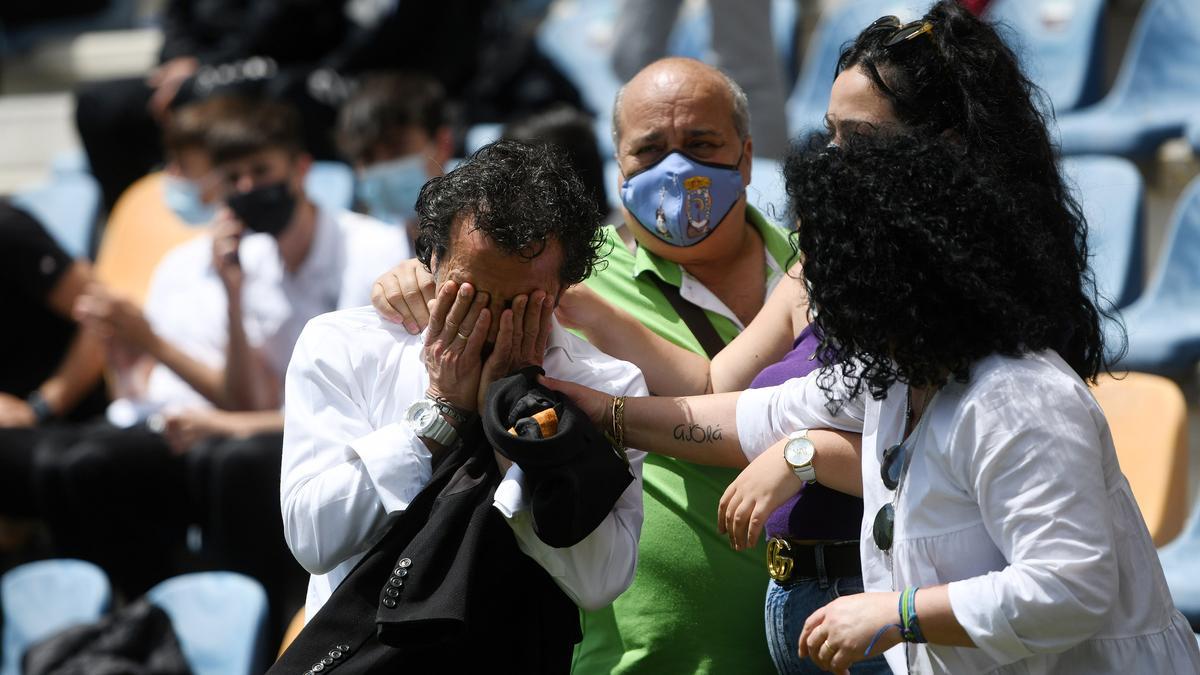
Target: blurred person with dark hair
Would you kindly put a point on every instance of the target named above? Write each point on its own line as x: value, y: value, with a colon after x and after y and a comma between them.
x: 999, y: 533
x: 202, y: 367
x: 395, y: 132
x: 573, y: 131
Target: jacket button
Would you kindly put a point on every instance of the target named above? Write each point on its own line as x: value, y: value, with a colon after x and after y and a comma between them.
x: 405, y: 562
x: 391, y: 592
x: 400, y: 572
x: 335, y: 654
x: 343, y: 647
x: 327, y: 661
x: 389, y: 603
x: 318, y: 667
x: 396, y: 582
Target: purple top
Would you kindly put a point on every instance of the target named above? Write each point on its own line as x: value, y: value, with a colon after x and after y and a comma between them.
x: 816, y: 512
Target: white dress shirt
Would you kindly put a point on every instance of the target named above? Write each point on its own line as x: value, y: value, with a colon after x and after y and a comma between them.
x: 350, y: 466
x: 1015, y: 499
x: 187, y: 302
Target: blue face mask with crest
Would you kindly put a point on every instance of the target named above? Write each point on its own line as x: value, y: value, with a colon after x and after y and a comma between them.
x: 182, y: 196
x: 389, y: 190
x: 681, y: 200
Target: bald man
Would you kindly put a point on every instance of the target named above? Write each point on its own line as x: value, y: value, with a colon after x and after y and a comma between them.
x: 681, y: 131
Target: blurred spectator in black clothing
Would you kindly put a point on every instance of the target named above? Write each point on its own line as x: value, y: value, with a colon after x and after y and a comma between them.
x: 395, y: 132
x: 50, y: 369
x: 573, y: 131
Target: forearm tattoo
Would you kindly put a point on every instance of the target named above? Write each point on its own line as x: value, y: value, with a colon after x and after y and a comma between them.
x: 697, y: 433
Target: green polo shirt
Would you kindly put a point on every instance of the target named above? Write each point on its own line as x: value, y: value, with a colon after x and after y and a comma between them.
x: 696, y: 605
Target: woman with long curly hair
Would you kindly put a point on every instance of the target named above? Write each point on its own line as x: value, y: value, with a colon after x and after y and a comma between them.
x: 999, y: 533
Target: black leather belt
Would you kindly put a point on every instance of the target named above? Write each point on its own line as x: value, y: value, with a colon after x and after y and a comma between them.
x: 791, y: 559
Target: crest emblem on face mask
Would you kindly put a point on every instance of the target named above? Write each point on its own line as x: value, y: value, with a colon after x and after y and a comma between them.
x: 699, y: 205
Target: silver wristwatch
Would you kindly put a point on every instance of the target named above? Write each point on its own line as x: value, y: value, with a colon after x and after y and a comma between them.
x: 425, y: 419
x: 798, y: 453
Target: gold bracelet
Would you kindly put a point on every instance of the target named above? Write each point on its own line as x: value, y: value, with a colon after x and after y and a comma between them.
x: 619, y: 421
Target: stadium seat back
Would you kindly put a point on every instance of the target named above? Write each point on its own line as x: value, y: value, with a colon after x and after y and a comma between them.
x: 809, y: 99
x: 1058, y: 44
x: 1178, y: 279
x: 767, y: 191
x: 220, y: 619
x: 1147, y: 415
x: 42, y: 598
x: 67, y: 206
x: 140, y: 231
x: 1111, y: 192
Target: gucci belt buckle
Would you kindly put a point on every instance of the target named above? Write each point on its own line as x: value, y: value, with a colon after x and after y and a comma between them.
x: 779, y: 559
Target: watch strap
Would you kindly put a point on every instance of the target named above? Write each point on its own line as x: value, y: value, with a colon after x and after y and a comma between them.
x: 440, y: 431
x: 42, y: 412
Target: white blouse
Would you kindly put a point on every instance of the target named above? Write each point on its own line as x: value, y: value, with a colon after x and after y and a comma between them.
x: 1014, y: 498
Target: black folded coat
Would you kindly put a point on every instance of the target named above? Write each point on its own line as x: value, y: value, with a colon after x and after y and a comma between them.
x: 448, y: 589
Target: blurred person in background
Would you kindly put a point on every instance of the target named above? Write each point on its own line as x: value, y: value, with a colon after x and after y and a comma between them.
x: 51, y: 372
x: 119, y: 120
x: 395, y: 132
x: 573, y: 131
x: 742, y: 45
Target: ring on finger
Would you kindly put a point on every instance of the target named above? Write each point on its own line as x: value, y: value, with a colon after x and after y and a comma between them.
x: 460, y: 334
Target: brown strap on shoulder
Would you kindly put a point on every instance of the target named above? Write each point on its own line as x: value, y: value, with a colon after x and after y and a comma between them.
x: 695, y: 318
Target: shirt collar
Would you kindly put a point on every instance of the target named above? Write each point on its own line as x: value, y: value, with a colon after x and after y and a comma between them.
x: 779, y: 249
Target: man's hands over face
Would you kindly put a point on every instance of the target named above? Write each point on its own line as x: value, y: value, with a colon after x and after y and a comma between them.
x: 459, y: 324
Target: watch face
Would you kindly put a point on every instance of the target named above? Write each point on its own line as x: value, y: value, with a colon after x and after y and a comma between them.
x: 799, y: 452
x: 420, y: 415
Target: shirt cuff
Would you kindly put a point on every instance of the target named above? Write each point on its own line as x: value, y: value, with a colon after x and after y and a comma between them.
x: 510, y: 494
x: 397, y: 462
x: 980, y: 612
x: 753, y: 427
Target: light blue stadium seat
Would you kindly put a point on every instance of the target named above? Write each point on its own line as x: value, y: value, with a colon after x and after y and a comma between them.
x: 577, y: 37
x: 1181, y: 565
x: 1193, y: 134
x: 67, y: 206
x: 1164, y: 324
x: 1111, y: 192
x: 1157, y: 91
x: 42, y: 598
x: 482, y: 134
x: 767, y: 192
x: 220, y: 619
x: 1058, y: 44
x: 330, y: 185
x: 809, y: 99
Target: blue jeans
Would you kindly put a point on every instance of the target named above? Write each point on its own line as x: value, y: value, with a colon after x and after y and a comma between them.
x: 789, y: 605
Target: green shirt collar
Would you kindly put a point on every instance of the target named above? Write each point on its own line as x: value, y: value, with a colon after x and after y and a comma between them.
x: 775, y: 238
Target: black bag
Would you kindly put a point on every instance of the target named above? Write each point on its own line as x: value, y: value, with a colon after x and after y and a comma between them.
x: 136, y: 640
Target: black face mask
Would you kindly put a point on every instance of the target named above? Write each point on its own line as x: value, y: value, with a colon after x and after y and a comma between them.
x: 265, y: 209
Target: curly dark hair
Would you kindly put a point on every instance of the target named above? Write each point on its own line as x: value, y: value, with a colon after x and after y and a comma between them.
x: 521, y: 196
x: 920, y: 261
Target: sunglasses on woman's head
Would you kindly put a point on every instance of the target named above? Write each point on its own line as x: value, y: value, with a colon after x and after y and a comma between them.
x: 902, y: 34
